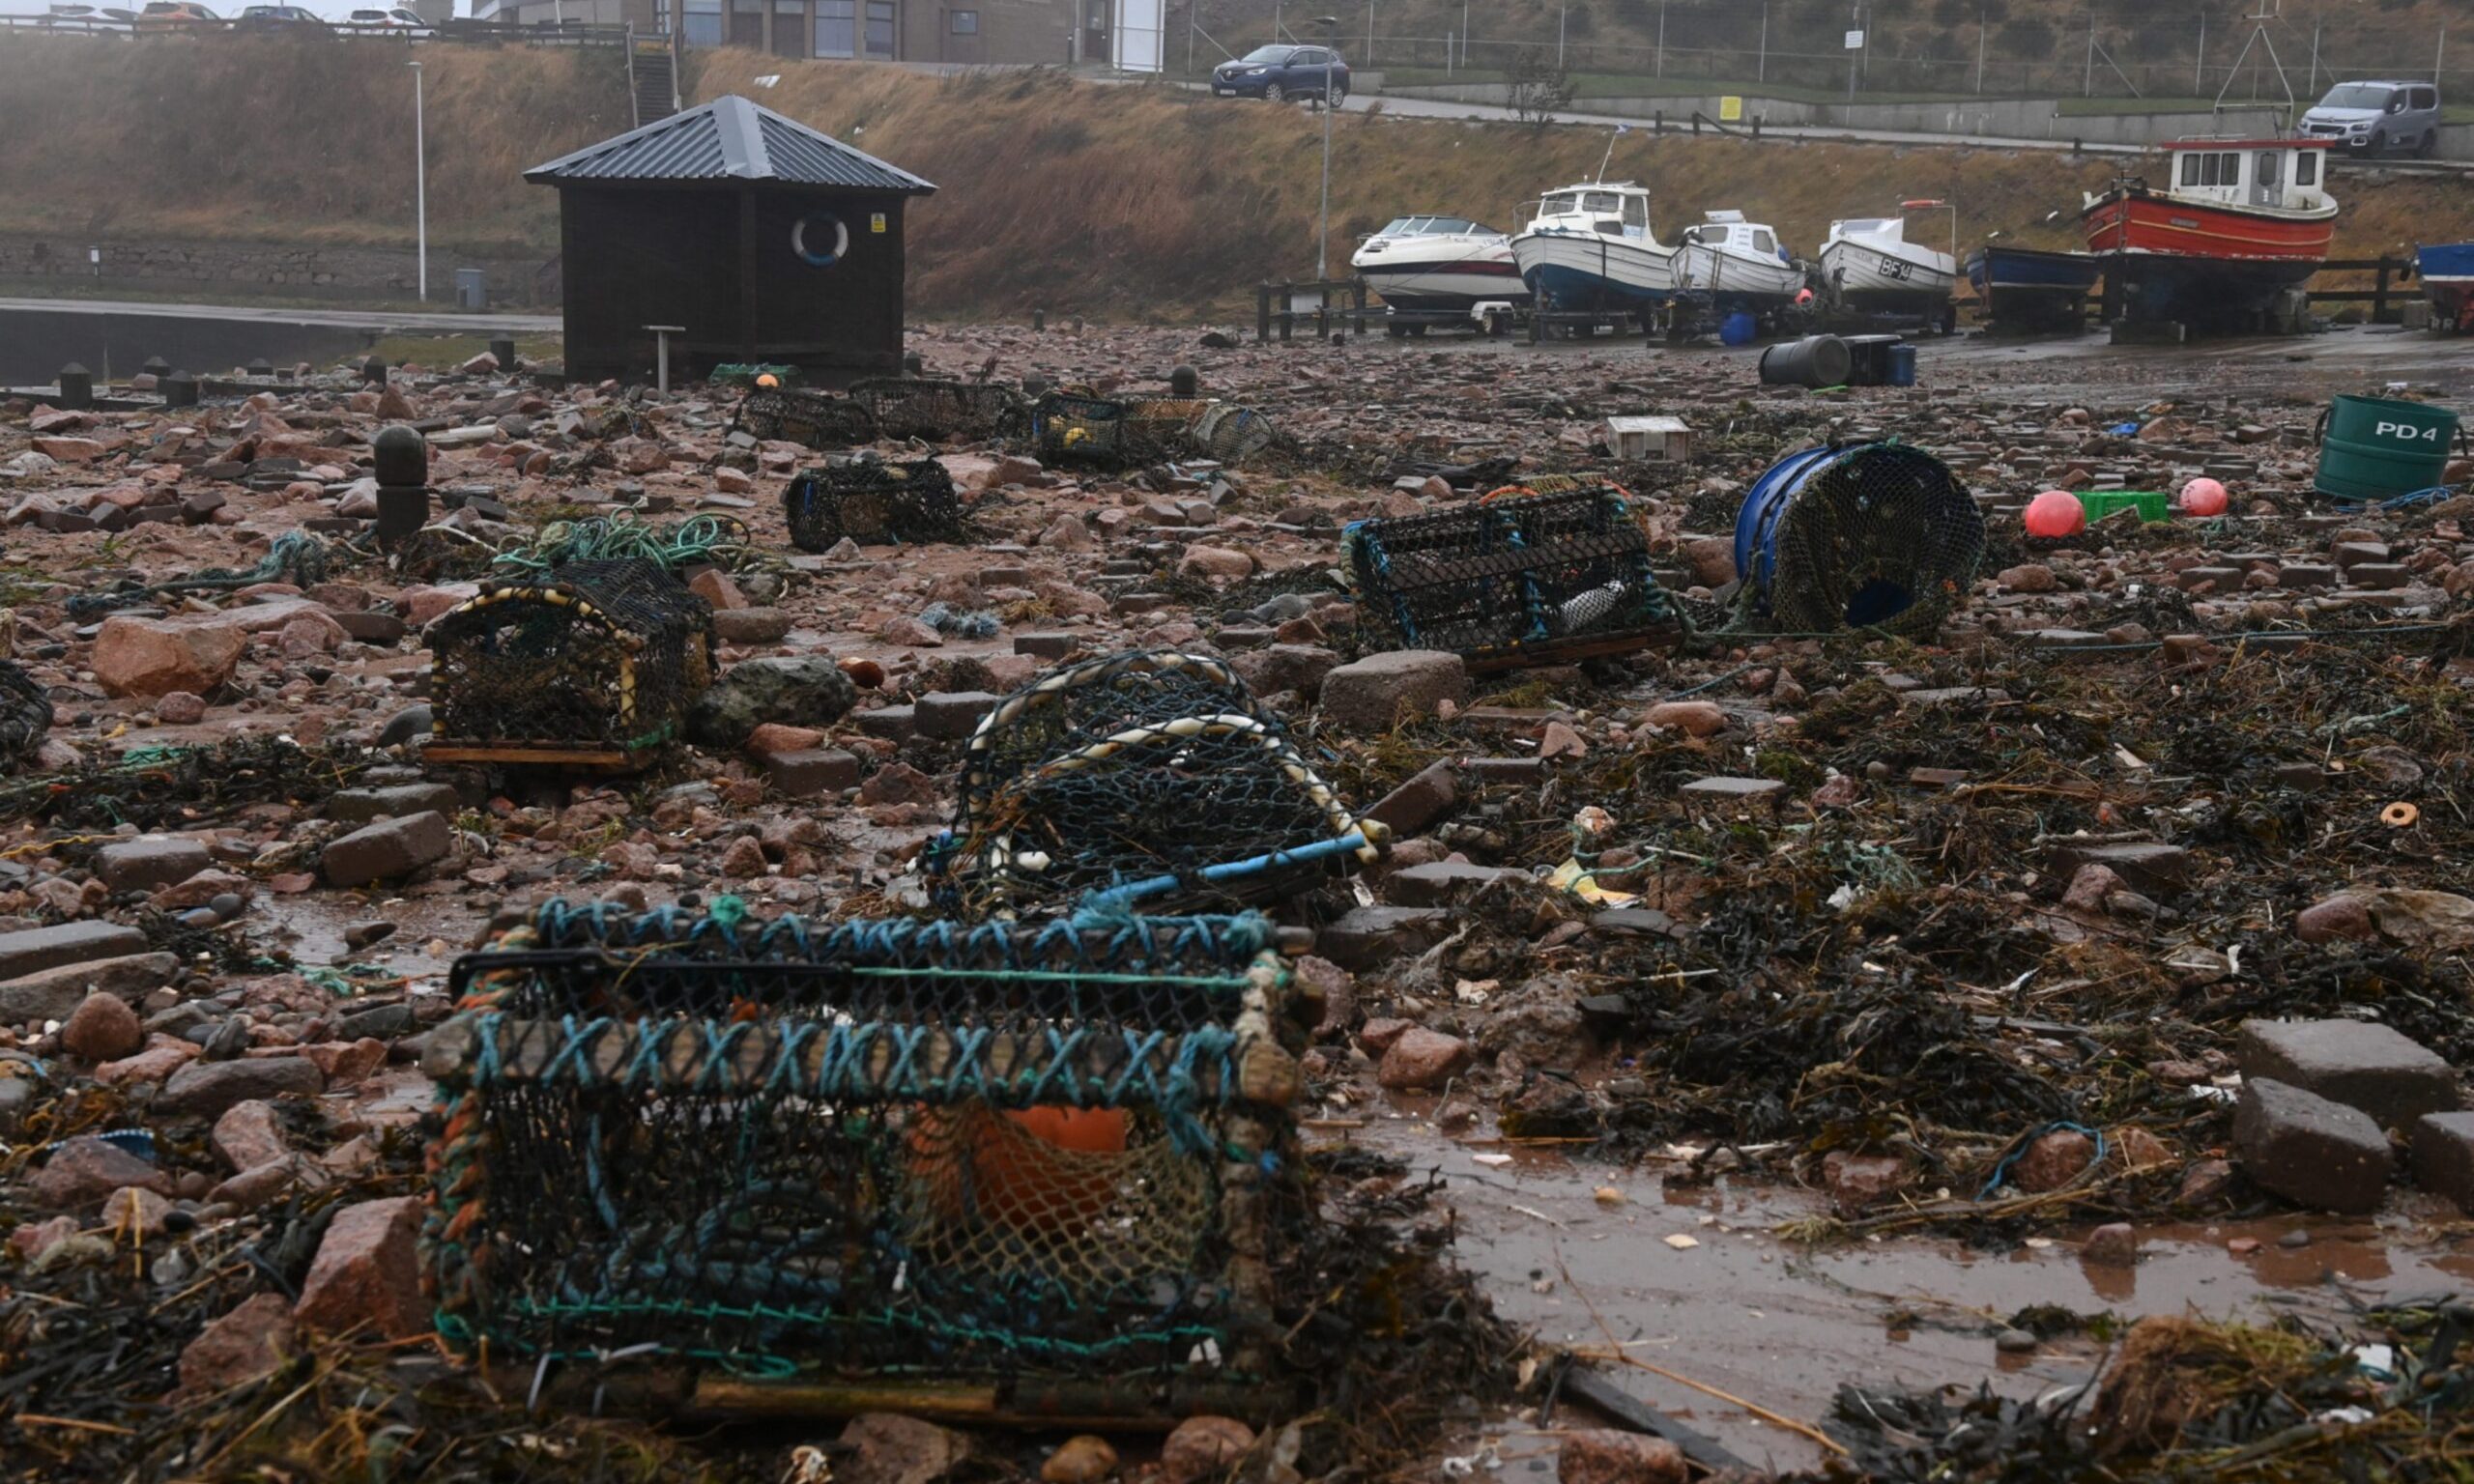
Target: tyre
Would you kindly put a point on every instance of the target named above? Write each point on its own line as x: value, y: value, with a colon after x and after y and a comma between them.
x: 2428, y: 145
x: 1274, y: 93
x: 2376, y: 144
x: 1338, y: 95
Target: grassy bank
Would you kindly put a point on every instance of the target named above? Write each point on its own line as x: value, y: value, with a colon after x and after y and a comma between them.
x: 266, y: 138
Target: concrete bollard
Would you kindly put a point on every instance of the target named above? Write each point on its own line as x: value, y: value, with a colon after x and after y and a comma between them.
x: 259, y: 370
x: 374, y: 371
x: 179, y: 388
x: 76, y: 387
x: 913, y: 363
x: 157, y: 367
x: 1185, y: 383
x: 503, y: 351
x: 402, y: 459
x: 1039, y: 321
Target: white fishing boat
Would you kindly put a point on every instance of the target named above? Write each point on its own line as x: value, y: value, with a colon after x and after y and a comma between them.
x: 1440, y: 265
x: 1872, y: 264
x: 1735, y: 265
x: 1588, y: 248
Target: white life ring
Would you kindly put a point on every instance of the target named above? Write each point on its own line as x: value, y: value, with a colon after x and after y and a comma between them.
x: 799, y: 240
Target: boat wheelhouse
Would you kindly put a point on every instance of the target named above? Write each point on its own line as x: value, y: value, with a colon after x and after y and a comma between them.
x: 1588, y: 248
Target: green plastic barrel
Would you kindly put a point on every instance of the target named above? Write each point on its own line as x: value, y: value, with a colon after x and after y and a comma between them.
x: 2377, y: 447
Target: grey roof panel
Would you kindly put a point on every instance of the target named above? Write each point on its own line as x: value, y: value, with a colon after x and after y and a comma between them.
x: 729, y: 138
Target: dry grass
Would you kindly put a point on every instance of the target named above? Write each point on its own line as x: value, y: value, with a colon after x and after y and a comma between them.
x: 267, y: 138
x: 1130, y: 202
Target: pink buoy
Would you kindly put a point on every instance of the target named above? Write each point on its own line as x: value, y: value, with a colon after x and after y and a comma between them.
x: 2055, y: 513
x: 2204, y: 497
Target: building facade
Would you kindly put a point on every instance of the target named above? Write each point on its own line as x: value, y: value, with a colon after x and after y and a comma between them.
x: 985, y: 32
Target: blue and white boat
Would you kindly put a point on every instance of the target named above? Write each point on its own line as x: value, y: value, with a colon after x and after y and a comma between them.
x: 2025, y: 288
x: 1588, y: 249
x: 2448, y: 277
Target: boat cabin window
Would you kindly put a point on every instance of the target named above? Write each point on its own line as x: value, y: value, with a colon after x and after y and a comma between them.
x: 2211, y: 167
x: 2306, y: 167
x: 2271, y: 171
x: 1764, y: 244
x: 1603, y: 201
x: 1560, y: 206
x: 1636, y: 215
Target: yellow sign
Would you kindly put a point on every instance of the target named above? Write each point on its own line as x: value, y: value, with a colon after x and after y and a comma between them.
x: 1731, y: 110
x: 876, y: 222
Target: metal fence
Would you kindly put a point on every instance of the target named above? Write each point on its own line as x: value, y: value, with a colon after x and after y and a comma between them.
x: 1951, y: 47
x: 465, y: 31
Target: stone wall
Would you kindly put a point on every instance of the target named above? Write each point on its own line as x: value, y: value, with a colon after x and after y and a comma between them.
x: 272, y: 270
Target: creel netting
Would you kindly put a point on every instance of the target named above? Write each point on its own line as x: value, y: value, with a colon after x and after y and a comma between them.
x: 594, y: 654
x: 25, y: 716
x: 873, y: 502
x: 818, y: 419
x: 1880, y: 535
x: 865, y: 1147
x: 1519, y: 577
x: 1154, y: 776
x: 908, y: 407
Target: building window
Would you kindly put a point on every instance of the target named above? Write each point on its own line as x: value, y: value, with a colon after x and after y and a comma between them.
x: 966, y: 22
x: 701, y: 22
x: 881, y: 28
x: 836, y: 28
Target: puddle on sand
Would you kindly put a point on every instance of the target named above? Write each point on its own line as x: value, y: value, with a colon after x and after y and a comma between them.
x: 1783, y: 1325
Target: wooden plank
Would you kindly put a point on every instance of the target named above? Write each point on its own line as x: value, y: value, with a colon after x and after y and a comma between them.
x: 1630, y: 1410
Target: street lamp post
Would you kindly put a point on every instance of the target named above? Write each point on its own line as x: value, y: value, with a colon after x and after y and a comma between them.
x: 1330, y: 25
x: 420, y: 182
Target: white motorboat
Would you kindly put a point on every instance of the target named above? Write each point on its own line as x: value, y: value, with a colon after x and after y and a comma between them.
x: 1589, y: 249
x: 1440, y: 265
x: 1873, y: 266
x: 1735, y: 265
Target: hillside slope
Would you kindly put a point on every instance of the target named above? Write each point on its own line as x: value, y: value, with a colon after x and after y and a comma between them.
x: 1133, y: 202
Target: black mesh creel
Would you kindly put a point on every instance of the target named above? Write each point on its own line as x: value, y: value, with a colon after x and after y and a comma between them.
x: 595, y: 655
x: 25, y: 716
x: 1512, y: 578
x: 916, y: 408
x: 815, y: 418
x: 872, y: 502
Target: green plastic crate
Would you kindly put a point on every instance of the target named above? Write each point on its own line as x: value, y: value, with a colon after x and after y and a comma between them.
x: 2100, y: 504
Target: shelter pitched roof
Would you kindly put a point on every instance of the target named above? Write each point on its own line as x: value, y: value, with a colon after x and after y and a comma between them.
x: 731, y: 138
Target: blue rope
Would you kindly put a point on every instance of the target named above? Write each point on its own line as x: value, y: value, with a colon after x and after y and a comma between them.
x: 2002, y: 1171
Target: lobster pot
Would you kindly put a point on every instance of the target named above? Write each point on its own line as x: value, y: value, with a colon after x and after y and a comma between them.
x: 1070, y: 427
x: 874, y: 504
x: 25, y: 716
x: 1146, y: 777
x: 815, y: 418
x: 1162, y: 428
x: 905, y: 408
x: 894, y: 1152
x: 1875, y: 535
x: 593, y: 665
x: 1517, y: 579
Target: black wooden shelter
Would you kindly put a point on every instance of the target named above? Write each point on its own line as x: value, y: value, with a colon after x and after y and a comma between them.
x: 760, y: 238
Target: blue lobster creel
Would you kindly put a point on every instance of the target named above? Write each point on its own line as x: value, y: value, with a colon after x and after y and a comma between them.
x: 1757, y: 523
x: 1866, y: 536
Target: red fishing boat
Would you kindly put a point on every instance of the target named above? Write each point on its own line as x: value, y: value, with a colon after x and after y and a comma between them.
x: 2238, y: 223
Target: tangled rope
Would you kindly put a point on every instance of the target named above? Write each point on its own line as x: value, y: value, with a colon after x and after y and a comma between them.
x: 716, y: 540
x: 296, y: 557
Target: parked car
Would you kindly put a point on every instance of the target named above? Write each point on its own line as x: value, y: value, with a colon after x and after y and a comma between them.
x: 172, y: 14
x: 267, y: 18
x: 2375, y: 118
x: 397, y: 18
x: 1281, y: 73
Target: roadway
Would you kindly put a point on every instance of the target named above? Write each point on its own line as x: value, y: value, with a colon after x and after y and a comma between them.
x: 384, y: 320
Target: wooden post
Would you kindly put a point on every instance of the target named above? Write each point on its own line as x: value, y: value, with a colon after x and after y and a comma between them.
x: 1263, y: 312
x: 2379, y: 295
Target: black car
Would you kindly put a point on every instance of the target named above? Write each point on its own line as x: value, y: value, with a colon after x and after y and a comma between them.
x: 1279, y: 72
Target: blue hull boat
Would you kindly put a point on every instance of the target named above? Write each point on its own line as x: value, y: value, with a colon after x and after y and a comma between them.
x: 2448, y: 279
x: 2024, y: 288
